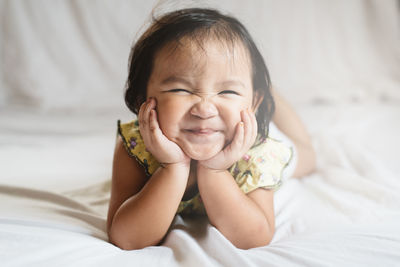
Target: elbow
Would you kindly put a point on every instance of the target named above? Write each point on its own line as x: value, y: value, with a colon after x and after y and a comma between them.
x: 261, y: 241
x: 306, y: 162
x: 122, y: 241
x: 259, y: 236
x: 127, y: 245
x: 262, y: 235
x: 128, y: 241
x: 310, y: 160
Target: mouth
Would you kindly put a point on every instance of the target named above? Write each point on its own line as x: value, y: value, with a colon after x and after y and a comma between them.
x: 201, y: 131
x: 202, y: 135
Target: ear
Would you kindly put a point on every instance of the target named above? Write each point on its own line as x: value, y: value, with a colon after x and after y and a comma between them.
x: 257, y: 100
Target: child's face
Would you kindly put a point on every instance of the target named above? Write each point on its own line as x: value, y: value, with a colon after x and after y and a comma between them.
x: 214, y: 83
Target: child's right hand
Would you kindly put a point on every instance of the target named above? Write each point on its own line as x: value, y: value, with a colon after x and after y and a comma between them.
x: 163, y: 149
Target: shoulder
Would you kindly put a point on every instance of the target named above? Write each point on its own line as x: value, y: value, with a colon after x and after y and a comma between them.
x: 272, y: 150
x: 123, y: 162
x: 133, y: 143
x: 130, y: 134
x: 262, y: 165
x: 268, y: 154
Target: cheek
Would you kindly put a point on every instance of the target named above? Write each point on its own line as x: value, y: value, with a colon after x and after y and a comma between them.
x: 170, y: 113
x: 231, y: 117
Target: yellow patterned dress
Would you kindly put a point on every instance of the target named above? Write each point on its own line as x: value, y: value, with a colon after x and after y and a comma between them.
x: 261, y: 166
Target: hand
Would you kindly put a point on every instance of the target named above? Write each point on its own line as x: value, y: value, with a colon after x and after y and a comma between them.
x: 163, y: 149
x: 245, y: 136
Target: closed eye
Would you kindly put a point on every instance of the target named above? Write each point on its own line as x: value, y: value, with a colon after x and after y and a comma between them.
x: 228, y: 92
x: 179, y: 91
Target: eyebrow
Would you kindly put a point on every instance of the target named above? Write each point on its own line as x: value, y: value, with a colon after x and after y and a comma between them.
x: 232, y: 82
x: 173, y: 78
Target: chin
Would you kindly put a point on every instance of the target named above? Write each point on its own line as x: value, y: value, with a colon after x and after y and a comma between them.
x: 202, y: 152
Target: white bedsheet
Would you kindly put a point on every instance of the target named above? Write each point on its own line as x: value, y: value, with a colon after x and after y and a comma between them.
x: 53, y: 203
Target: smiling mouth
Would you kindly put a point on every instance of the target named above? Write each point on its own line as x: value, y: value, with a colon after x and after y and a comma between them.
x: 202, y: 135
x: 201, y: 131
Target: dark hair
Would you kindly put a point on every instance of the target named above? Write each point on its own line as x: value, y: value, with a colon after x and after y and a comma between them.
x: 195, y: 23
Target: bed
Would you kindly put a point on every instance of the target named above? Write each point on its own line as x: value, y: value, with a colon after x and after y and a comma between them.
x: 58, y: 121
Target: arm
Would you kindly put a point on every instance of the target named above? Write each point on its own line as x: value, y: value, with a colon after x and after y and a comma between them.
x: 246, y: 220
x: 286, y: 119
x: 141, y: 212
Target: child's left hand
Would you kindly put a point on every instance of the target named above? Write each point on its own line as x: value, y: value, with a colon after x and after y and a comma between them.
x: 245, y: 136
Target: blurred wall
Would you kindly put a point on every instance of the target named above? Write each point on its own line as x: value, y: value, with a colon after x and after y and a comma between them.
x: 73, y: 55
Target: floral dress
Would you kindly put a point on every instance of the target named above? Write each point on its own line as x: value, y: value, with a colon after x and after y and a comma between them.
x: 260, y: 167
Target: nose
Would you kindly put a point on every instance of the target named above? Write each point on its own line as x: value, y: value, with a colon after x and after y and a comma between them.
x: 204, y: 109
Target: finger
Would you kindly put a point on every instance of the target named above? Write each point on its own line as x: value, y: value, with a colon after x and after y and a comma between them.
x: 141, y: 110
x: 144, y: 122
x: 141, y: 121
x: 146, y: 112
x: 153, y: 123
x: 156, y: 135
x: 150, y: 129
x: 254, y: 126
x: 235, y: 146
x: 248, y: 127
